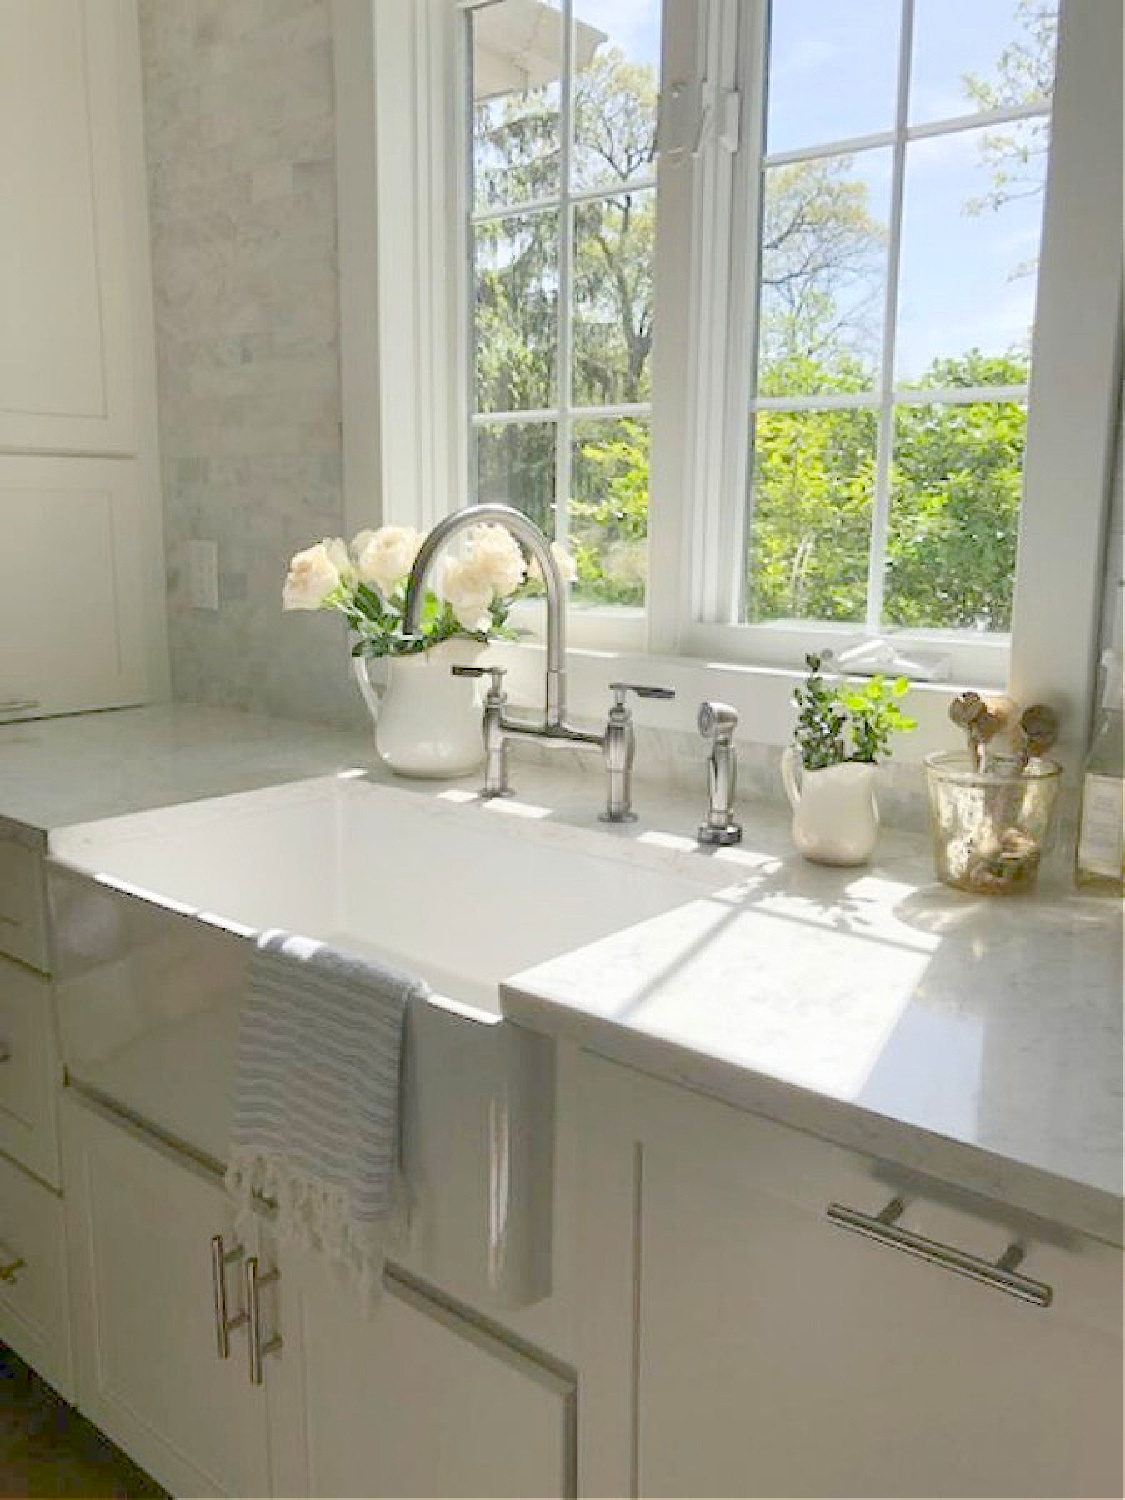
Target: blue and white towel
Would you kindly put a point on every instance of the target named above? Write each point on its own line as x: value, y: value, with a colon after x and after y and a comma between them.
x: 316, y: 1125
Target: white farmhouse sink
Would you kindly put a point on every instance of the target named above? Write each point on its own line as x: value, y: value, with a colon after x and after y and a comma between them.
x: 154, y: 916
x: 460, y: 894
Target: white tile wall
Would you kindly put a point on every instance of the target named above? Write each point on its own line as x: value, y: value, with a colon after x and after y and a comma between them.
x: 240, y: 139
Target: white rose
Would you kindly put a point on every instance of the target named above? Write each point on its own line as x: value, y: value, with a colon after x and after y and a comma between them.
x: 313, y: 575
x: 340, y: 558
x: 385, y: 557
x: 467, y: 593
x: 496, y: 556
x: 568, y: 568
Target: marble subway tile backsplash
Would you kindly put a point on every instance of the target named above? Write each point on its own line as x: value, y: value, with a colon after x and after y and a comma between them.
x: 240, y: 142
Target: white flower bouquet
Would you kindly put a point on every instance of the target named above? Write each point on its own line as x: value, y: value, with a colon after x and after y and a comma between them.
x: 366, y: 583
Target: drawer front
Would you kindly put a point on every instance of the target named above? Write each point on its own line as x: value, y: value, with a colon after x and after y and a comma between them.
x: 34, y: 1309
x: 23, y: 919
x: 28, y: 1071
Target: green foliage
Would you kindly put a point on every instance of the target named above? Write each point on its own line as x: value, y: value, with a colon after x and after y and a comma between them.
x: 829, y: 713
x: 609, y: 534
x: 819, y: 731
x: 954, y: 470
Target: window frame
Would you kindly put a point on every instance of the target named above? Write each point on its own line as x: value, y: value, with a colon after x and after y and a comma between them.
x: 404, y: 350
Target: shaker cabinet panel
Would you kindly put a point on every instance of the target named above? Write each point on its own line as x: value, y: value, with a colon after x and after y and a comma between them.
x: 66, y: 366
x: 82, y: 641
x: 410, y: 1399
x: 29, y: 1071
x: 777, y: 1353
x: 148, y: 1371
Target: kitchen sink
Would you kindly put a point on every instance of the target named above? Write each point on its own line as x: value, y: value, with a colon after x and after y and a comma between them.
x: 155, y: 913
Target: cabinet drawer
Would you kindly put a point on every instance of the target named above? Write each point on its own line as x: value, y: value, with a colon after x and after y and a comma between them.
x: 34, y: 1311
x: 23, y: 924
x: 28, y: 1071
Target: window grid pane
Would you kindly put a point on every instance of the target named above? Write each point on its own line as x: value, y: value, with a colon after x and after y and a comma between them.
x: 959, y: 389
x: 561, y: 353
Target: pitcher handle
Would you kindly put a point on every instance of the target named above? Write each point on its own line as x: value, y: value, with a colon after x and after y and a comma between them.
x: 371, y: 693
x: 789, y: 775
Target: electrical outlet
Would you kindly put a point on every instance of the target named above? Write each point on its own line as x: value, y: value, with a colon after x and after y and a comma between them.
x: 203, y: 574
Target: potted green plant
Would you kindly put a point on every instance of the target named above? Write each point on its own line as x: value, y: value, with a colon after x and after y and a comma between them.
x: 843, y: 731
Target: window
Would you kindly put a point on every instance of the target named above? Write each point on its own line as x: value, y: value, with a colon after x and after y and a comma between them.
x: 792, y: 405
x: 899, y: 212
x: 563, y: 228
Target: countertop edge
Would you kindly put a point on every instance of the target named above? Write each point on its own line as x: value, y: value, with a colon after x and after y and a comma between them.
x: 1077, y: 1206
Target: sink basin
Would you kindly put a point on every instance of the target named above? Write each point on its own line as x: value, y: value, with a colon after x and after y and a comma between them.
x: 464, y: 895
x: 154, y: 915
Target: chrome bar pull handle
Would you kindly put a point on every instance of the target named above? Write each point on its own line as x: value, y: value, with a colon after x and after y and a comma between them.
x: 258, y: 1349
x: 1000, y: 1274
x: 221, y: 1258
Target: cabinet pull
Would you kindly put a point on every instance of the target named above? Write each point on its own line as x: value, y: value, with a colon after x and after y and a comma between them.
x: 258, y: 1350
x: 221, y: 1258
x: 1000, y: 1274
x: 17, y: 705
x: 10, y: 1266
x: 5, y: 1052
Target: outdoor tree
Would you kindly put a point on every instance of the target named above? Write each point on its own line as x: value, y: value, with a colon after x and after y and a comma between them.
x: 955, y: 471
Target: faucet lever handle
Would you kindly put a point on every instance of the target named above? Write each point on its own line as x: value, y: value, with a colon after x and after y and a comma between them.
x: 496, y: 687
x: 619, y: 689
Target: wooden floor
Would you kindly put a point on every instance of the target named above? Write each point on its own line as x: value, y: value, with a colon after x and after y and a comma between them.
x: 47, y: 1449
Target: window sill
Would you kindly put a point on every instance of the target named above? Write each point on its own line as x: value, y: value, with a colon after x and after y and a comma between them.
x: 762, y: 695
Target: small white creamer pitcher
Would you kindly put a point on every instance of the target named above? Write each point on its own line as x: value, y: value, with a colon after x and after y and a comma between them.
x: 835, y: 819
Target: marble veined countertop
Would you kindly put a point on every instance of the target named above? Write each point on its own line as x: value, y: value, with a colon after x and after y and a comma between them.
x: 54, y: 772
x: 976, y: 1040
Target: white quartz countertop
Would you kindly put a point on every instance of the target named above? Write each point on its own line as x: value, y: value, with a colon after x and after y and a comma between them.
x: 54, y: 772
x: 976, y: 1040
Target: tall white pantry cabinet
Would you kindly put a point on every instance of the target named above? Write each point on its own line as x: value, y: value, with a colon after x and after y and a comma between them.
x: 81, y: 563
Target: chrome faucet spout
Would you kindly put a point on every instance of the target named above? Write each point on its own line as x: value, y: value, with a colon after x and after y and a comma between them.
x: 529, y: 534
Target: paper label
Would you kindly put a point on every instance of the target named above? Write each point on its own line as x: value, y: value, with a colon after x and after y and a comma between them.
x: 1100, y: 843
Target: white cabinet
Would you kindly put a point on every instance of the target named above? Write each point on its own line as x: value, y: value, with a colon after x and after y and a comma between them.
x: 80, y: 594
x: 34, y: 1317
x: 148, y: 1373
x: 416, y: 1399
x: 69, y: 127
x: 82, y: 618
x: 747, y: 1345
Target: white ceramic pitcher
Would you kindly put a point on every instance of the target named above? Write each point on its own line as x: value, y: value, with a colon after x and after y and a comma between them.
x: 835, y: 819
x: 427, y: 722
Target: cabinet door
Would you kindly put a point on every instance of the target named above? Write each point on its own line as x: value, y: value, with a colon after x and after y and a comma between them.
x: 86, y: 638
x: 778, y: 1354
x: 69, y: 108
x: 414, y: 1399
x: 139, y: 1227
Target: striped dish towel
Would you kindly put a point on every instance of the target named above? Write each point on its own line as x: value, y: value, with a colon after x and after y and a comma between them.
x: 316, y: 1125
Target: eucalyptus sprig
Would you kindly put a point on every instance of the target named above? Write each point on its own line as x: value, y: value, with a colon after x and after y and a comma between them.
x: 829, y: 715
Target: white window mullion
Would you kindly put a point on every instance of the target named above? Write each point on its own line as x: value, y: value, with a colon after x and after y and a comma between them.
x: 881, y: 499
x: 719, y: 349
x: 563, y: 377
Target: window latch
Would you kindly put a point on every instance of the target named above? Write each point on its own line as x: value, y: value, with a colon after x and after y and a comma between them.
x: 689, y: 113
